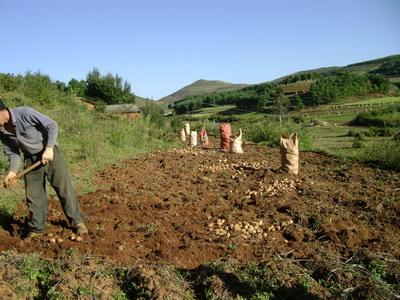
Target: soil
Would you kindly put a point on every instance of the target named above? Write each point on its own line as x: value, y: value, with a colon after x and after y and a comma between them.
x: 190, y: 206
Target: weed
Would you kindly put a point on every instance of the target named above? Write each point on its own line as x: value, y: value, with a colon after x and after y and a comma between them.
x: 391, y: 200
x: 314, y: 224
x: 85, y: 291
x: 133, y: 285
x: 232, y: 246
x: 148, y: 229
x: 192, y: 198
x: 306, y: 282
x: 378, y: 269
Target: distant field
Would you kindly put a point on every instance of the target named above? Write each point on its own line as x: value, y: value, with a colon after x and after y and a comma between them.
x: 231, y: 110
x: 386, y: 100
x: 338, y: 118
x: 226, y: 110
x: 333, y: 139
x: 300, y: 86
x: 208, y: 111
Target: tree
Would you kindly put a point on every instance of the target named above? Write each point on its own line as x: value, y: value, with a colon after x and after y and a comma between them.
x: 298, y: 103
x: 378, y: 83
x: 109, y: 89
x: 282, y: 105
x: 77, y: 87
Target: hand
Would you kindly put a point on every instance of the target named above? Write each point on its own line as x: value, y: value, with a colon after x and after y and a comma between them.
x: 10, y: 180
x: 47, y: 155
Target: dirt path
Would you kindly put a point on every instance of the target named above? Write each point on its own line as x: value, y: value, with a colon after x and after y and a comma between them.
x: 191, y: 206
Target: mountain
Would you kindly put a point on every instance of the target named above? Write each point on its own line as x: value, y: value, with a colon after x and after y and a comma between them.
x: 378, y: 66
x: 201, y: 87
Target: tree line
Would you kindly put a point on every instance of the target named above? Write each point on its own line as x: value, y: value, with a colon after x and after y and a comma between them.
x: 344, y: 84
x: 254, y: 98
x: 98, y: 88
x: 270, y: 98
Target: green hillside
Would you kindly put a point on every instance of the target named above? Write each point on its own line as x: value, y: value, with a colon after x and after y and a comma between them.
x: 201, y: 87
x: 371, y: 79
x: 376, y: 66
x: 297, y: 82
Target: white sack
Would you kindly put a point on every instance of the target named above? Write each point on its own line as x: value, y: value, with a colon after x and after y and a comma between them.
x: 193, y: 138
x: 237, y: 143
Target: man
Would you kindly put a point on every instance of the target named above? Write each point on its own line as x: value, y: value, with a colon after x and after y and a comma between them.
x: 27, y: 131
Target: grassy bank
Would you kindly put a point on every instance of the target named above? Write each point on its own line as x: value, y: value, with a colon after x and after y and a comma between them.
x: 73, y: 276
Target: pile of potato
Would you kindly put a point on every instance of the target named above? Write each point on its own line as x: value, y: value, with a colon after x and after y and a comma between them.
x: 278, y: 186
x: 280, y: 225
x: 269, y: 190
x: 246, y: 230
x: 237, y: 169
x: 215, y: 167
x: 188, y: 151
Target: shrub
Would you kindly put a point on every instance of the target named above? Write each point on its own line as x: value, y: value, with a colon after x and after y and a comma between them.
x: 387, y: 117
x: 175, y: 123
x: 357, y: 144
x: 385, y: 155
x: 154, y: 113
x: 268, y: 132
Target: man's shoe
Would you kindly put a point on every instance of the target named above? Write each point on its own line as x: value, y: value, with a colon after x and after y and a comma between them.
x: 81, y: 229
x: 29, y: 234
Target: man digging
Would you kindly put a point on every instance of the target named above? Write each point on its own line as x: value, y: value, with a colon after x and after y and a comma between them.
x: 27, y: 131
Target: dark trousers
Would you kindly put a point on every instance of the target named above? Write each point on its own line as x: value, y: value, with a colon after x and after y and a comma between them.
x: 58, y: 176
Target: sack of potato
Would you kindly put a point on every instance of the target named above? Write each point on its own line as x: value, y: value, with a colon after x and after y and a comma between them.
x: 290, y: 154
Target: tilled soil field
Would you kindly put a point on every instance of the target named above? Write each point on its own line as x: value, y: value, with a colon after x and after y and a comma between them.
x: 190, y: 206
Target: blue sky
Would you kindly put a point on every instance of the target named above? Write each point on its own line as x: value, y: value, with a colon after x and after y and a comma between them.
x: 159, y: 46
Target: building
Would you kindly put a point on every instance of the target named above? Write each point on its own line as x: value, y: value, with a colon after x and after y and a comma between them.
x: 130, y: 111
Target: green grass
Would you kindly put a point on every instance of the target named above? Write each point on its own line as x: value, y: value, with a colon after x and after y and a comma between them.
x: 225, y: 111
x: 385, y: 100
x: 338, y: 118
x: 209, y: 111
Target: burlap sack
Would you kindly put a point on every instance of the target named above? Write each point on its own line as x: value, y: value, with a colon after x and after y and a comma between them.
x: 290, y: 154
x: 183, y: 135
x: 187, y: 129
x: 225, y: 134
x: 193, y: 138
x: 237, y: 143
x: 203, y: 137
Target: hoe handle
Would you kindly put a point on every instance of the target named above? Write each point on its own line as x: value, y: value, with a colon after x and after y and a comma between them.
x: 28, y: 169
